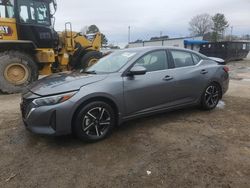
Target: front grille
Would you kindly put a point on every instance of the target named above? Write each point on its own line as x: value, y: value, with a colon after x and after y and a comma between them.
x: 24, y: 106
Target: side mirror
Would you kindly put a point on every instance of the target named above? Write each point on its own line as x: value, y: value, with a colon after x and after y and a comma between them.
x: 137, y: 70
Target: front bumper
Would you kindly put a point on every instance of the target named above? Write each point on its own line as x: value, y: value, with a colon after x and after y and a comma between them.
x: 49, y: 120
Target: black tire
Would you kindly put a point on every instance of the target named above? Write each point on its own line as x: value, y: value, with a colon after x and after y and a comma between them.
x: 21, y: 61
x: 87, y: 59
x: 211, y: 96
x: 94, y: 122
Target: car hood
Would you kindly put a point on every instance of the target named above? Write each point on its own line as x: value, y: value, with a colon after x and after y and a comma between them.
x: 63, y: 82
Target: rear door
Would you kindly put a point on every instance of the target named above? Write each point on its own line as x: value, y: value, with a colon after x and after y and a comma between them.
x: 190, y: 75
x: 152, y: 91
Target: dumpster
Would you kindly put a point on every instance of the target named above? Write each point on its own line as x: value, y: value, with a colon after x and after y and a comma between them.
x: 228, y: 50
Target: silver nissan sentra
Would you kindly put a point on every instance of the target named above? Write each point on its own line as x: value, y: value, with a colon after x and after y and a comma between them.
x: 124, y: 85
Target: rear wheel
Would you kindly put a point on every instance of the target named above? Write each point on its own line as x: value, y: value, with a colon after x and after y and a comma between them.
x: 94, y: 121
x: 90, y: 59
x: 211, y: 96
x: 17, y: 70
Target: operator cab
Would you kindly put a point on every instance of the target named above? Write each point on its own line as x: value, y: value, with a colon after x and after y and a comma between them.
x: 33, y: 20
x: 7, y: 9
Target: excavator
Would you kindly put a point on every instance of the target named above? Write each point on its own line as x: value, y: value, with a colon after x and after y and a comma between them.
x: 30, y: 46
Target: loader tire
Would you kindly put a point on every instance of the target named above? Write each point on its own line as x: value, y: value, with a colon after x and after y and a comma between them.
x: 17, y: 70
x: 90, y: 58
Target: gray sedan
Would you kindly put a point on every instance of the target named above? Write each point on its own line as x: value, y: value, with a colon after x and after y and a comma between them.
x: 124, y: 85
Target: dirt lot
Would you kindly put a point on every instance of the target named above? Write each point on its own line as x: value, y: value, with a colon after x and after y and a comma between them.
x: 185, y: 148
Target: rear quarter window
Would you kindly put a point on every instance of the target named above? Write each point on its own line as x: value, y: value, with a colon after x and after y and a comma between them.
x: 196, y: 59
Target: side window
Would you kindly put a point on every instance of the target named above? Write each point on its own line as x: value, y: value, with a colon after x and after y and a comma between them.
x: 24, y: 15
x: 182, y: 59
x: 10, y: 11
x: 42, y: 13
x: 2, y: 11
x: 196, y: 58
x: 32, y: 13
x: 6, y: 9
x: 154, y: 61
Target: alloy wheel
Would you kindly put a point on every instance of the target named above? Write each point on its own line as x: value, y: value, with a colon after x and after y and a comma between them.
x: 96, y: 121
x: 212, y: 96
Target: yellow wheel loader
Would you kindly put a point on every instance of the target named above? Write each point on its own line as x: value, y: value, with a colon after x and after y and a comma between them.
x: 30, y: 46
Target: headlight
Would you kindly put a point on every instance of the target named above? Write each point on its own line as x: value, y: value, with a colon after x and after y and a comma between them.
x: 55, y: 99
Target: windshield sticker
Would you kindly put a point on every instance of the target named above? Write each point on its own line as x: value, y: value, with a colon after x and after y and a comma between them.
x: 128, y: 55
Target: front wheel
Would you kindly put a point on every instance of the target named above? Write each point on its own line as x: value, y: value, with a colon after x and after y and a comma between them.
x: 94, y: 121
x: 210, y: 97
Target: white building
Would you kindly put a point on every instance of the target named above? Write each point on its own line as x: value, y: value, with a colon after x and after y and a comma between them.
x: 176, y: 42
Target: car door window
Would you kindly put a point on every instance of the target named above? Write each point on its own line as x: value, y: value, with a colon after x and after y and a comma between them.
x: 182, y: 58
x: 196, y: 58
x: 153, y: 61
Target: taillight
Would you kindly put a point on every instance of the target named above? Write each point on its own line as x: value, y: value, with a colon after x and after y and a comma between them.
x: 226, y: 69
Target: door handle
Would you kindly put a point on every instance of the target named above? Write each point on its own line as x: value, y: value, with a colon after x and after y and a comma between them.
x: 167, y: 78
x: 204, y: 71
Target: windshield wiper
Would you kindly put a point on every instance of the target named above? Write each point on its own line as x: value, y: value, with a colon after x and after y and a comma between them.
x: 88, y: 72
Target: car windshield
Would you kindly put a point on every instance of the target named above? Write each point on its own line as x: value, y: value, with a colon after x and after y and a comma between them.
x: 112, y: 63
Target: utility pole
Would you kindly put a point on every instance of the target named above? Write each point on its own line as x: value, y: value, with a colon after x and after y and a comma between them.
x: 160, y: 33
x: 128, y: 34
x: 231, y: 35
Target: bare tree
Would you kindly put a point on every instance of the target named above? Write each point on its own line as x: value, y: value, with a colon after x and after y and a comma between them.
x: 200, y: 24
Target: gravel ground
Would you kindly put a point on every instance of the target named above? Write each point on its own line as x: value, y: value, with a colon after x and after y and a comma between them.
x: 185, y: 148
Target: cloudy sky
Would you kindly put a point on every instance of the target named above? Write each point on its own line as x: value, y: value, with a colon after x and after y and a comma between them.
x: 148, y: 18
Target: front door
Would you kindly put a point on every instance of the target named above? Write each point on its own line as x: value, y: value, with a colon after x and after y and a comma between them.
x: 154, y: 90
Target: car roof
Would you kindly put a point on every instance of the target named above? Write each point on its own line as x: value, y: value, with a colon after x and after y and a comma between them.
x: 146, y: 49
x: 149, y: 48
